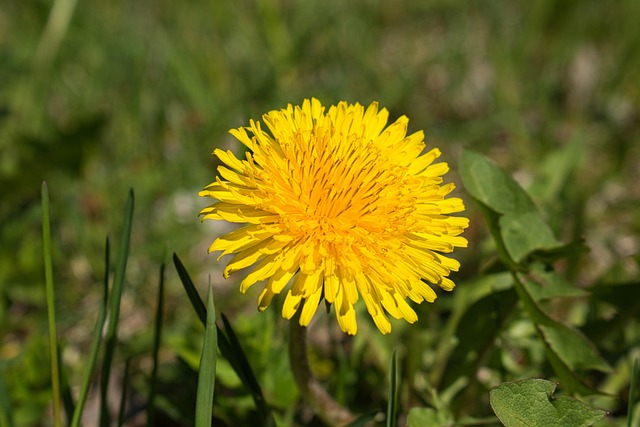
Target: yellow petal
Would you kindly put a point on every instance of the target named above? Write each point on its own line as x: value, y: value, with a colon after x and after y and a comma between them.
x: 291, y: 304
x: 310, y: 306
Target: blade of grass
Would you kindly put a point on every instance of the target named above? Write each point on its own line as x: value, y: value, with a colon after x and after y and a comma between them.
x: 114, y: 307
x: 65, y: 389
x: 123, y: 393
x: 392, y: 409
x: 232, y: 352
x: 95, y: 344
x: 51, y: 311
x: 191, y: 290
x: 156, y: 348
x: 207, y: 371
x: 54, y: 31
x: 633, y: 389
x: 243, y: 368
x: 6, y: 413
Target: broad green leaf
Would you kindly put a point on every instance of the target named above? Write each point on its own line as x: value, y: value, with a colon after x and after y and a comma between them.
x: 573, y: 412
x: 428, y: 417
x: 530, y: 403
x: 522, y: 229
x: 544, y: 284
x: 525, y: 232
x: 573, y: 348
x: 566, y: 348
x: 490, y: 185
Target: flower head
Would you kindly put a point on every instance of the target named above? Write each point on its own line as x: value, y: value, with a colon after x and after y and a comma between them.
x: 341, y: 206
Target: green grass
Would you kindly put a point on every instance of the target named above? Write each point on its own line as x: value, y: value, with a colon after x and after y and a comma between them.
x: 137, y: 95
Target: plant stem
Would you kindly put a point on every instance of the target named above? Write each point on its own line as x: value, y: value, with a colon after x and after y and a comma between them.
x: 313, y: 393
x: 51, y: 310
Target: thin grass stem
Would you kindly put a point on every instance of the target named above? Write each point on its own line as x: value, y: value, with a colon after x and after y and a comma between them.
x: 157, y: 336
x: 114, y: 308
x: 95, y: 344
x: 207, y: 371
x: 51, y: 311
x: 633, y: 390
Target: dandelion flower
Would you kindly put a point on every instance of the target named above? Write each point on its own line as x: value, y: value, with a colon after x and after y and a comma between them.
x: 342, y: 207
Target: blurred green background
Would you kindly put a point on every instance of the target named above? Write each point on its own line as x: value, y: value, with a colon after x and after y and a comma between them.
x: 137, y: 95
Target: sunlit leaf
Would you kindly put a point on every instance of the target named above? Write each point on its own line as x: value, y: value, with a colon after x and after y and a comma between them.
x: 522, y: 229
x: 530, y: 403
x: 490, y: 185
x: 524, y: 233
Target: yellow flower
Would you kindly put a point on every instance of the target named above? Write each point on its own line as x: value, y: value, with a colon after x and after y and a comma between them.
x: 340, y: 205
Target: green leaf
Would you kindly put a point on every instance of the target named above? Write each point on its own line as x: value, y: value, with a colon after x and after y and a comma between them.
x: 522, y: 229
x: 207, y: 371
x: 428, y: 417
x: 229, y: 346
x: 566, y: 348
x: 490, y: 185
x: 573, y: 348
x: 544, y: 284
x: 525, y: 232
x: 529, y: 403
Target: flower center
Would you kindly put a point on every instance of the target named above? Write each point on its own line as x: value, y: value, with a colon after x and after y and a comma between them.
x: 339, y: 189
